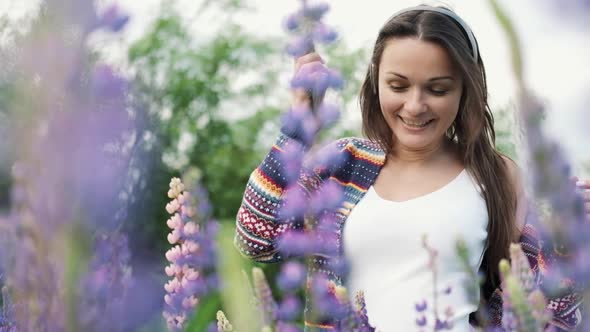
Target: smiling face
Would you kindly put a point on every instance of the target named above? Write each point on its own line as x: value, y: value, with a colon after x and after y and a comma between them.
x: 419, y: 92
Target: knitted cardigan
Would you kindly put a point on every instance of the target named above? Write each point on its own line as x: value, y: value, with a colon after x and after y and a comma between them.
x: 359, y: 163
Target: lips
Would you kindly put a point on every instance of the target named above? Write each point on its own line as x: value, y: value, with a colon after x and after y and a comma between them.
x: 416, y: 123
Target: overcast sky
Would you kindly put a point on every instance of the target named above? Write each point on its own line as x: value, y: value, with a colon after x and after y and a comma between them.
x: 556, y: 47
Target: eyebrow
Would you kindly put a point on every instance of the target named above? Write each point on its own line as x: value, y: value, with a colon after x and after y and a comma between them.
x: 432, y: 79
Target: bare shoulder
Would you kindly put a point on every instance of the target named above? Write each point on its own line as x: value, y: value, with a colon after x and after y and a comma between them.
x: 516, y: 179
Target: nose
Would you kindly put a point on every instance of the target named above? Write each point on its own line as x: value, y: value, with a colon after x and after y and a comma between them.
x: 415, y: 103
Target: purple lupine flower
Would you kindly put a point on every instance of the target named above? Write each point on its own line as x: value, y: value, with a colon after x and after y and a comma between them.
x: 328, y: 114
x: 326, y: 242
x: 421, y: 306
x: 328, y: 197
x: 441, y: 325
x: 307, y: 28
x: 292, y: 22
x: 105, y: 287
x: 300, y: 122
x: 292, y: 160
x: 421, y: 321
x: 292, y: 276
x: 300, y: 46
x: 6, y: 311
x: 289, y: 308
x: 575, y: 11
x: 307, y: 22
x: 294, y: 205
x: 73, y: 170
x: 323, y: 33
x: 324, y: 295
x: 30, y: 278
x: 317, y: 79
x: 107, y: 85
x: 316, y: 11
x: 522, y: 300
x: 331, y: 155
x: 296, y: 243
x: 448, y: 290
x: 361, y: 313
x: 287, y: 327
x: 113, y: 19
x: 565, y: 229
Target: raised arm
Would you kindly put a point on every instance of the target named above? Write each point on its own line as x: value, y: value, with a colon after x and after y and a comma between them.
x: 259, y: 222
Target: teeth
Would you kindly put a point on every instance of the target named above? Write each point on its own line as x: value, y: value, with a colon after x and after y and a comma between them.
x: 415, y: 124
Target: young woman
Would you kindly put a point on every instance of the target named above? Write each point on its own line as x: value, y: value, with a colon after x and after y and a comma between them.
x: 429, y: 169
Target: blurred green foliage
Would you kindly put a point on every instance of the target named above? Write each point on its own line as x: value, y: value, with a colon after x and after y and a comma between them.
x: 213, y: 101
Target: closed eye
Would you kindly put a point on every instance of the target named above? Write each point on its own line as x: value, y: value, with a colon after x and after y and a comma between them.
x: 437, y: 92
x: 397, y: 88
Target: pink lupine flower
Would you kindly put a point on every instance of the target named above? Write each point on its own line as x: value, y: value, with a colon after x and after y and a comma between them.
x: 173, y: 206
x: 189, y: 258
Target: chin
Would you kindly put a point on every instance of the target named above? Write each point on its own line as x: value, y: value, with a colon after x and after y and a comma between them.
x: 415, y: 143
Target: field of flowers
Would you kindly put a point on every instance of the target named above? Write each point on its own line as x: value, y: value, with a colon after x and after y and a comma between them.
x: 76, y: 233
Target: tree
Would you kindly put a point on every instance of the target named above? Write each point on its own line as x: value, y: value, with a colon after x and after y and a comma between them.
x: 213, y: 103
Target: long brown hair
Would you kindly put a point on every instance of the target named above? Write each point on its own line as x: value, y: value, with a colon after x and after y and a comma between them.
x: 472, y: 130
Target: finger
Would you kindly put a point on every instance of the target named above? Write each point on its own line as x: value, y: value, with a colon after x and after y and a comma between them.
x: 307, y: 58
x: 301, y: 97
x: 585, y: 184
x: 311, y: 68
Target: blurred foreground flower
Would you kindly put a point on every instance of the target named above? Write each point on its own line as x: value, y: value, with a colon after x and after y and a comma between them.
x: 307, y: 27
x: 441, y: 321
x: 523, y: 301
x: 563, y: 227
x: 67, y: 265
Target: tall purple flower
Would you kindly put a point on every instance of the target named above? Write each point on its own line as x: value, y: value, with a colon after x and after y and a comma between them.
x: 6, y: 310
x: 523, y: 302
x: 66, y: 265
x: 290, y: 280
x: 563, y: 227
x: 106, y: 285
x: 356, y: 318
x: 307, y: 26
x: 307, y: 29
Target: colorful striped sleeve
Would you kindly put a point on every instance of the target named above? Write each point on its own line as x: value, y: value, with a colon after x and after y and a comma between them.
x: 258, y: 223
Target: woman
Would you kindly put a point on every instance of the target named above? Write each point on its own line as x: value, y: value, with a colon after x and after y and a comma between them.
x: 429, y: 169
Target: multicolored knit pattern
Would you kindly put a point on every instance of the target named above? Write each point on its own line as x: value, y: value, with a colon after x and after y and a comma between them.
x: 259, y: 225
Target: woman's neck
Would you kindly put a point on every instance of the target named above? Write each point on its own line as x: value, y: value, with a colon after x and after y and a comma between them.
x: 404, y: 156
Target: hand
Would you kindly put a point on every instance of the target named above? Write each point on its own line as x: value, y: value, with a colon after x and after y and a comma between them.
x: 304, y: 65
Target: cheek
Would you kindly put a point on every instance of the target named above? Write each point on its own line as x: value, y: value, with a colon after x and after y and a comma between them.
x: 390, y: 102
x: 448, y: 109
x: 452, y: 108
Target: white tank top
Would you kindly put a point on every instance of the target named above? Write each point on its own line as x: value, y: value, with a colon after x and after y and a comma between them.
x: 383, y: 243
